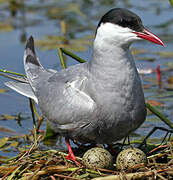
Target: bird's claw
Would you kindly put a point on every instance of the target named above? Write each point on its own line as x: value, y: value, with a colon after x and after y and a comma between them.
x: 72, y: 158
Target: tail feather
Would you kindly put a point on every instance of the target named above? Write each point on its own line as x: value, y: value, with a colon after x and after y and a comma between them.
x: 31, y: 63
x: 30, y: 54
x: 30, y: 46
x: 33, y: 69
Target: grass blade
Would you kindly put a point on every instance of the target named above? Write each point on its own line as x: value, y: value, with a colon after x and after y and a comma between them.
x: 160, y: 115
x: 171, y: 2
x: 61, y: 58
x: 68, y: 53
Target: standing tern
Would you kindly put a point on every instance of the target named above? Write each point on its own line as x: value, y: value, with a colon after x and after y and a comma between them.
x: 100, y: 101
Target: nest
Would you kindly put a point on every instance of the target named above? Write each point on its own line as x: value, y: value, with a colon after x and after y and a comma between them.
x: 36, y: 164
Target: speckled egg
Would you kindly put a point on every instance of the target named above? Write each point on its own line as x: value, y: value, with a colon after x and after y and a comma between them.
x: 97, y: 158
x: 130, y: 157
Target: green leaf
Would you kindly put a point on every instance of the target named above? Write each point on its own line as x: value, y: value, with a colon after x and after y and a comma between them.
x: 171, y: 2
x: 10, y: 72
x: 3, y: 141
x: 77, y: 58
x: 83, y: 176
x: 160, y: 115
x: 152, y: 119
x: 50, y: 137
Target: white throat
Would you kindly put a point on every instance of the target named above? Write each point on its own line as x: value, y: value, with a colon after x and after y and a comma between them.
x: 111, y: 46
x: 111, y: 57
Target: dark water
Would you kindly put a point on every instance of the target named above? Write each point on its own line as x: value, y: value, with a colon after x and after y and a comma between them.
x: 81, y: 17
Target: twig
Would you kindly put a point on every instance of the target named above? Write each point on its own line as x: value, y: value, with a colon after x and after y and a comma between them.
x: 9, y: 172
x: 159, y: 154
x: 40, y: 120
x: 33, y: 147
x: 63, y: 176
x: 158, y: 147
x: 34, y: 109
x: 137, y: 175
x: 12, y: 173
x: 160, y: 176
x: 34, y: 174
x: 52, y: 177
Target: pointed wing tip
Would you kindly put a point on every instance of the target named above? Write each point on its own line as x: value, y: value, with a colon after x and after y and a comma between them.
x: 22, y: 88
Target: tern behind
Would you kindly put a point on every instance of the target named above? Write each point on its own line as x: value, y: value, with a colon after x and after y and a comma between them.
x: 100, y: 101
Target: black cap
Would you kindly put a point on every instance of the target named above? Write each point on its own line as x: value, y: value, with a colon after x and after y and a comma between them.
x: 124, y: 18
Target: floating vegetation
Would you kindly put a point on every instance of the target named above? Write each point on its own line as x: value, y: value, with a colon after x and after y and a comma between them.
x: 3, y: 1
x: 3, y: 90
x: 61, y: 11
x: 54, y: 42
x: 4, y: 27
x: 17, y: 117
x: 136, y: 51
x: 7, y: 130
x: 166, y: 54
x: 7, y: 116
x: 15, y: 143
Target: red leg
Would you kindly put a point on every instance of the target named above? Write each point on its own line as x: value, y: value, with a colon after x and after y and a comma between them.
x: 71, y: 155
x: 112, y: 149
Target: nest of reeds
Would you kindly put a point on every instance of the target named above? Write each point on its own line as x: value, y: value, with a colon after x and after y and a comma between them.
x: 36, y: 164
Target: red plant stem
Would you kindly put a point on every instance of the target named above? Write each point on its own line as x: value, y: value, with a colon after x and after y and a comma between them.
x: 158, y: 75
